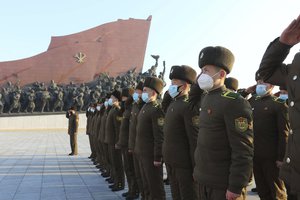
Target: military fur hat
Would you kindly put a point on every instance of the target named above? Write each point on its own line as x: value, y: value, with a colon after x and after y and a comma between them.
x: 232, y: 83
x: 117, y: 94
x: 154, y: 83
x: 218, y: 56
x: 183, y: 72
x: 140, y: 86
x: 127, y: 92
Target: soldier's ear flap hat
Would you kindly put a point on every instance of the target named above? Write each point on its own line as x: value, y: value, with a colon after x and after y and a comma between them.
x: 154, y: 83
x: 232, y: 83
x: 117, y: 94
x: 217, y: 56
x: 140, y: 86
x: 127, y: 92
x: 183, y: 72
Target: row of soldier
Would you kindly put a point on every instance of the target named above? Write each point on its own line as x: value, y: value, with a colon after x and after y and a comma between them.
x: 211, y: 138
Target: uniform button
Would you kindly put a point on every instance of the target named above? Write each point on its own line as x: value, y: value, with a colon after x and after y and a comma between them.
x: 292, y: 103
x: 288, y: 160
x: 291, y: 131
x: 252, y: 108
x: 295, y: 77
x: 199, y: 109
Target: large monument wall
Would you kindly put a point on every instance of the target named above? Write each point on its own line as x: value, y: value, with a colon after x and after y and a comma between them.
x: 112, y: 48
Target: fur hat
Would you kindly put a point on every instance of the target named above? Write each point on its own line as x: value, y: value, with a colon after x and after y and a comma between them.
x: 232, y: 83
x: 140, y: 86
x: 217, y: 56
x: 154, y: 83
x: 117, y: 94
x: 183, y: 72
x: 127, y: 92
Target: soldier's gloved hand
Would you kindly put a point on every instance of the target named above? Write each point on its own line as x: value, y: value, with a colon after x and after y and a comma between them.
x: 157, y: 163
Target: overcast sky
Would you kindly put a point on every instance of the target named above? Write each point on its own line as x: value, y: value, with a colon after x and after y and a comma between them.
x: 179, y: 29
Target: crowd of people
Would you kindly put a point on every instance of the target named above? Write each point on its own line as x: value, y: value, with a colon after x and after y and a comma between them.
x: 212, y: 136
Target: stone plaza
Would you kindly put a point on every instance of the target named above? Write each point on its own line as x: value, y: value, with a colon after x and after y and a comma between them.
x: 34, y: 165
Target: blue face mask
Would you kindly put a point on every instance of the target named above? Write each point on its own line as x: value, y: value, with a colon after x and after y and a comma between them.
x: 106, y: 104
x: 135, y: 97
x: 283, y: 96
x: 173, y: 91
x: 145, y: 97
x: 110, y: 102
x: 261, y: 90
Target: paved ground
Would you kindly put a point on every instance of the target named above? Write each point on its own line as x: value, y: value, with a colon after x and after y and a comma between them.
x: 34, y: 166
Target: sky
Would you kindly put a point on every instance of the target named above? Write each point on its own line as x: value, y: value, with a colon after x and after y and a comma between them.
x: 178, y: 31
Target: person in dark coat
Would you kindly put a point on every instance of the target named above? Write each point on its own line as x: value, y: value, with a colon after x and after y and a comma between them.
x: 136, y: 107
x: 270, y: 127
x: 224, y: 152
x: 273, y: 70
x: 180, y: 134
x: 149, y: 139
x: 112, y: 129
x: 73, y: 117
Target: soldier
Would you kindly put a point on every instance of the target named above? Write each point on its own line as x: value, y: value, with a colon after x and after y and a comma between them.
x: 127, y: 101
x: 73, y: 117
x: 107, y: 164
x: 149, y: 139
x: 97, y: 125
x: 180, y: 134
x: 273, y: 70
x: 269, y: 141
x: 112, y: 129
x: 89, y: 125
x: 224, y: 151
x: 136, y: 107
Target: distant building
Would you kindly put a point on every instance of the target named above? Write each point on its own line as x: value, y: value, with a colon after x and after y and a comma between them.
x: 112, y: 48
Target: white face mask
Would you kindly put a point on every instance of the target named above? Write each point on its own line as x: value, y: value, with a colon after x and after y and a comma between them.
x: 98, y: 108
x: 206, y: 82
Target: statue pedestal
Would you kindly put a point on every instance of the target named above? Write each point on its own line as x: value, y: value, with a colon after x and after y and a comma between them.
x: 39, y: 122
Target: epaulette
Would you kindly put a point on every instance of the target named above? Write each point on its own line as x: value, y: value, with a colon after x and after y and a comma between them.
x: 230, y: 95
x: 278, y: 100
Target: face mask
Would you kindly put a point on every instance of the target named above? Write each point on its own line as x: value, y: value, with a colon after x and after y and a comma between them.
x: 98, y: 108
x: 206, y: 82
x: 261, y: 90
x: 110, y: 102
x: 135, y: 97
x: 283, y: 96
x: 145, y: 97
x: 89, y: 109
x: 93, y: 109
x: 173, y: 91
x: 106, y: 104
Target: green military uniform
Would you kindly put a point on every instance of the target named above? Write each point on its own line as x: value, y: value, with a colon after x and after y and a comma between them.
x: 106, y: 161
x: 72, y: 131
x: 180, y: 140
x: 148, y: 147
x: 89, y: 115
x: 270, y: 127
x: 224, y: 150
x: 127, y: 157
x: 99, y: 158
x: 112, y: 130
x: 136, y: 107
x: 272, y: 70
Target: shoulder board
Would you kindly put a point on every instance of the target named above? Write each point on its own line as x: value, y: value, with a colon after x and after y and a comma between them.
x: 278, y: 100
x: 230, y: 95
